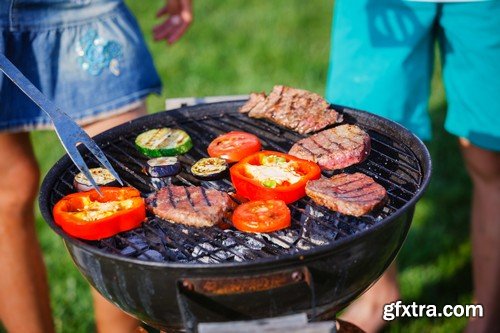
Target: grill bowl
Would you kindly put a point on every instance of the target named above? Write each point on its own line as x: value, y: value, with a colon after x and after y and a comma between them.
x: 286, y: 276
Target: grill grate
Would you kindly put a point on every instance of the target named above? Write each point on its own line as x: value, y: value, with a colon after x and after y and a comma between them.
x: 390, y: 163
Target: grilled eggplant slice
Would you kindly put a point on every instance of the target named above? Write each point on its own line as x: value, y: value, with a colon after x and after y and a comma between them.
x: 163, y: 166
x: 101, y: 176
x: 210, y: 168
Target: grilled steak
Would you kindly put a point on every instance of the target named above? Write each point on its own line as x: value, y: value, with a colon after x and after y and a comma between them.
x: 334, y: 148
x: 351, y: 194
x: 256, y: 101
x: 190, y: 205
x: 296, y: 109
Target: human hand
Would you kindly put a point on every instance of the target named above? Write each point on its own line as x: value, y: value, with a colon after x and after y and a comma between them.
x: 178, y: 16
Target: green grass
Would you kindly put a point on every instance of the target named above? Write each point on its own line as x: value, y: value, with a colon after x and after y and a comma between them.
x: 235, y: 47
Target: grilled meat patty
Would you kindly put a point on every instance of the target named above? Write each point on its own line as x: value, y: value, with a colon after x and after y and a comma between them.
x: 351, y: 194
x: 190, y: 205
x: 297, y: 109
x: 334, y: 148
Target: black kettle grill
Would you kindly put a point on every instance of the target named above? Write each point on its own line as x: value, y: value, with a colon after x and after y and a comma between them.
x: 172, y: 277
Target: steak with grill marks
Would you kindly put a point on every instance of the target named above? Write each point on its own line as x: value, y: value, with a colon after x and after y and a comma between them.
x: 334, y: 148
x: 296, y: 109
x: 256, y: 102
x: 351, y: 194
x: 190, y: 205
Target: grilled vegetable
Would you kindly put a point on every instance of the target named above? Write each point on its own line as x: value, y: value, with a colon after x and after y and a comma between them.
x: 163, y: 142
x: 163, y: 166
x: 209, y: 168
x: 233, y: 146
x: 273, y: 175
x: 89, y: 216
x: 101, y: 176
x: 262, y: 216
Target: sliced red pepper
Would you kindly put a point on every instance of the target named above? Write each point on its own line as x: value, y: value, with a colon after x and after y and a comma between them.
x: 249, y: 187
x: 89, y: 216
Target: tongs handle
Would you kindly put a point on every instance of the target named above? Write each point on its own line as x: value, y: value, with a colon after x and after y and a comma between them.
x: 69, y: 133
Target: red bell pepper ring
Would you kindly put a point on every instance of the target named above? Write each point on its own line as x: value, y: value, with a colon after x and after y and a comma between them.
x: 89, y: 216
x: 247, y: 186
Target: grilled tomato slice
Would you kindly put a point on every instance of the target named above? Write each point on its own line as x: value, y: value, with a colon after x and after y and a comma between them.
x: 262, y: 216
x: 88, y: 215
x: 233, y: 146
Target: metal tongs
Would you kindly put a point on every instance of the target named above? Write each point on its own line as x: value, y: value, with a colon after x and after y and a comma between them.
x: 69, y: 133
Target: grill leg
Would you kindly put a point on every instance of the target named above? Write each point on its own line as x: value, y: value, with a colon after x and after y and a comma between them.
x: 188, y: 318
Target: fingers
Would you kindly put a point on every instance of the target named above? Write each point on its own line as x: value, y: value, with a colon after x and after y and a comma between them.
x: 163, y: 30
x: 177, y: 33
x: 163, y: 11
x: 171, y: 30
x: 186, y: 16
x: 180, y: 17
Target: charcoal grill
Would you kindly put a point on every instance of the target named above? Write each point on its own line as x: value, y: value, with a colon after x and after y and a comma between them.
x: 172, y: 276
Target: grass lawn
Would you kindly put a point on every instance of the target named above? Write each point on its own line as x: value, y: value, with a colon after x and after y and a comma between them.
x: 239, y: 46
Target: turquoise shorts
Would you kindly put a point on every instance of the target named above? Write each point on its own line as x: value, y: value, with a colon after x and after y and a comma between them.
x: 382, y: 60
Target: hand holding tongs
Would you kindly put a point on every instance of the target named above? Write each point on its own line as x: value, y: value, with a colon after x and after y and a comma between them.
x: 69, y: 133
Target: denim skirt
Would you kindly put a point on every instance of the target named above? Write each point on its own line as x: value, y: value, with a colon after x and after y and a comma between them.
x: 88, y: 56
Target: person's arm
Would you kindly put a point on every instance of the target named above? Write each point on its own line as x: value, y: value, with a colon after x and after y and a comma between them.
x: 178, y: 16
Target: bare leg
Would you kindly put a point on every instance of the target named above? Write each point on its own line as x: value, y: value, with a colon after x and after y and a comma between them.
x: 24, y: 293
x: 105, y: 124
x: 484, y: 169
x: 109, y: 318
x: 366, y: 312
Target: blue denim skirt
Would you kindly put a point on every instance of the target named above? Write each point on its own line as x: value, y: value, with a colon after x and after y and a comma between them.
x: 88, y: 56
